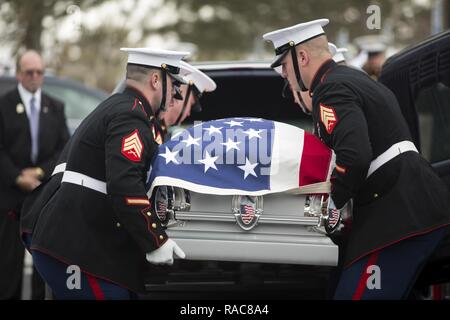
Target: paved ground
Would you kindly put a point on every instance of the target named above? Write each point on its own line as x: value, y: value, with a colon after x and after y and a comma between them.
x: 301, y: 288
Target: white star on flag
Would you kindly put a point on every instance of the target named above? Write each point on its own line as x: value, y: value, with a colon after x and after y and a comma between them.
x: 248, y: 168
x: 170, y: 156
x: 233, y: 123
x: 252, y: 133
x: 190, y: 141
x: 208, y: 161
x: 212, y: 129
x: 230, y: 144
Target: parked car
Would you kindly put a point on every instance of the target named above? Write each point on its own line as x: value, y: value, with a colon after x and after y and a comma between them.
x: 419, y: 76
x: 79, y: 100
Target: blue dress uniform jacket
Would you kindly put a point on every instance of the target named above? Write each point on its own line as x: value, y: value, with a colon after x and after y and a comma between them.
x: 360, y: 119
x: 106, y: 232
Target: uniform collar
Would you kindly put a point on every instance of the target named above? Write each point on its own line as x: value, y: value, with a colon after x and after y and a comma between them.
x: 137, y: 94
x: 321, y: 73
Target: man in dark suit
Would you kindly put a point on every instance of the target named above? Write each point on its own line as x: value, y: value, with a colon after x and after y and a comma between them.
x: 33, y: 132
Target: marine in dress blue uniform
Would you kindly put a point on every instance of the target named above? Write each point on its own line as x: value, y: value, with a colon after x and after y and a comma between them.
x: 400, y: 205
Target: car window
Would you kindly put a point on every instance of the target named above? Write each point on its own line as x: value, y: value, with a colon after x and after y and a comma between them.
x: 78, y: 104
x: 7, y: 84
x: 433, y: 108
x: 250, y: 94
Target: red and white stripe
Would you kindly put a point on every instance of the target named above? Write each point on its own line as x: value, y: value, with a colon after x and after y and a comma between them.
x: 248, y: 214
x: 299, y: 159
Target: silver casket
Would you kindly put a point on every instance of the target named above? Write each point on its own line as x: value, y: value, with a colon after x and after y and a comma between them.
x: 275, y: 228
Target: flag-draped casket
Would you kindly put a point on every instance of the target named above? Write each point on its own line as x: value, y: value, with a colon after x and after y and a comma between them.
x: 247, y: 180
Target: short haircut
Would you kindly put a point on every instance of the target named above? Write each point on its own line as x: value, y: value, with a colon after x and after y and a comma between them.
x: 317, y: 46
x: 19, y: 57
x: 139, y: 72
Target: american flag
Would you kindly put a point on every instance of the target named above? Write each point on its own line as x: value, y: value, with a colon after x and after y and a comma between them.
x: 162, y: 206
x: 247, y: 213
x: 242, y: 156
x: 333, y: 217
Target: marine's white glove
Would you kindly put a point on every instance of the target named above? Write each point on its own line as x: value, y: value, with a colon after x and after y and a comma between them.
x: 165, y: 253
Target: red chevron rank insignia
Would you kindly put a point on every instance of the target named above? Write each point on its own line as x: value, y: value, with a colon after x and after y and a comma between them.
x: 328, y: 118
x: 132, y: 146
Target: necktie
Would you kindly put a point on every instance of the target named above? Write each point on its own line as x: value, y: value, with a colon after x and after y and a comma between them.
x: 34, y: 129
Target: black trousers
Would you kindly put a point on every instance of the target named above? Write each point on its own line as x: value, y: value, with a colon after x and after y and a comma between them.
x: 11, y: 262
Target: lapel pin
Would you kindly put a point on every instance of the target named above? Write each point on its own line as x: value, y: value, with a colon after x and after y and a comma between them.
x: 19, y: 108
x: 45, y: 109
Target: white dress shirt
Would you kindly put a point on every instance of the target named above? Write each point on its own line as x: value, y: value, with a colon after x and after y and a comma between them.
x: 26, y: 96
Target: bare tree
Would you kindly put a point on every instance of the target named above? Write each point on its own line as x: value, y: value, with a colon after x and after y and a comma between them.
x: 24, y: 19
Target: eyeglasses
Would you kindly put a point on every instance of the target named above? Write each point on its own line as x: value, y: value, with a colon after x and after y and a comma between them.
x: 30, y: 73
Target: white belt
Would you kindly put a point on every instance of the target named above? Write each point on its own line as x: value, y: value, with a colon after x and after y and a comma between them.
x: 59, y: 168
x: 390, y: 154
x: 80, y: 179
x: 84, y: 180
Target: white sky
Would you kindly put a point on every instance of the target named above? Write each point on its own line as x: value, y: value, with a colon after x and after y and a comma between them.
x: 117, y: 13
x: 120, y: 13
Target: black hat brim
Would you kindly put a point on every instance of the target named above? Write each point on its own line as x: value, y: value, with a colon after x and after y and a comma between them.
x: 278, y: 59
x: 177, y: 78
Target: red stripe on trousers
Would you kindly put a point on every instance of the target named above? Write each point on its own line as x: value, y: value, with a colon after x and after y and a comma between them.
x: 363, y: 280
x: 98, y: 293
x: 315, y: 161
x: 437, y: 292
